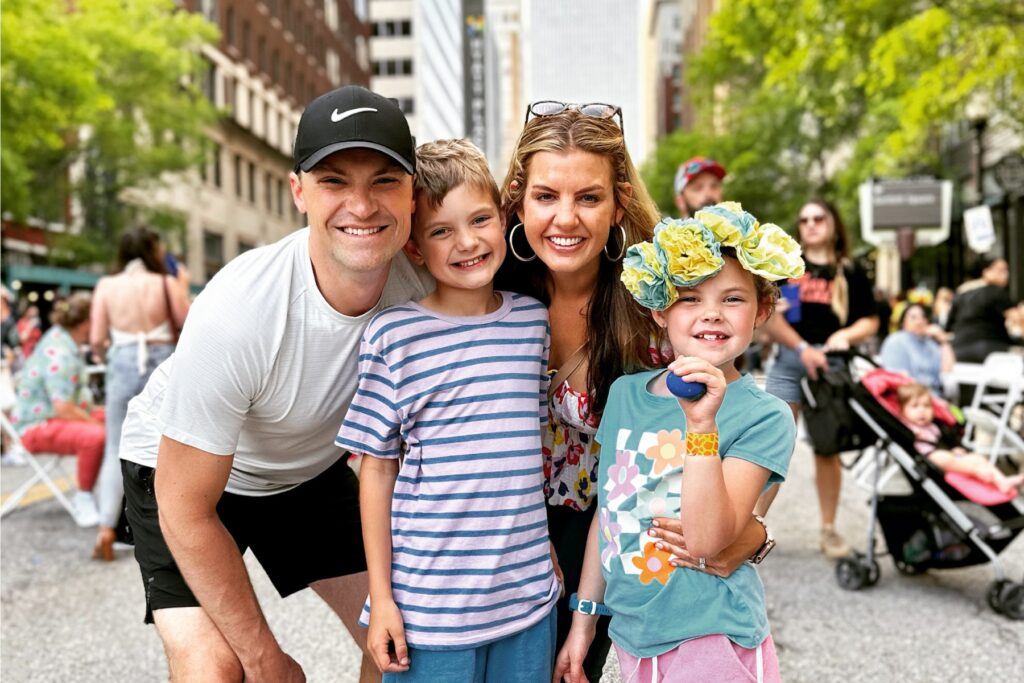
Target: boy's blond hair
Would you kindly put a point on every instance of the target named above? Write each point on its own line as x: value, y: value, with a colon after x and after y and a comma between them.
x: 443, y: 165
x: 908, y: 392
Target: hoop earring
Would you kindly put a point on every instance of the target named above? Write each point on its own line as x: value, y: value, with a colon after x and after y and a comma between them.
x: 622, y: 249
x: 512, y: 246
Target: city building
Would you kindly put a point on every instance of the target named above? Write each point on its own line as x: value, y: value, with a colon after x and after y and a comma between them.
x: 665, y: 35
x: 591, y: 52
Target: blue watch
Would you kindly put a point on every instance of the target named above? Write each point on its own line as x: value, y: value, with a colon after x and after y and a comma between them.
x: 588, y: 607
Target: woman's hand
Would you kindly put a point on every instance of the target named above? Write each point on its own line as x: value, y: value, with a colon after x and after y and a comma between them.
x: 700, y: 414
x: 813, y: 360
x: 838, y: 341
x: 669, y: 532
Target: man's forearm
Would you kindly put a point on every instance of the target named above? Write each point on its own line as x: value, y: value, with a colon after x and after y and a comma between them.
x: 209, y: 560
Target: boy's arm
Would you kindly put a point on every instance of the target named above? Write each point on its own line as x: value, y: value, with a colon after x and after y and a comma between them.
x: 376, y: 486
x: 569, y: 663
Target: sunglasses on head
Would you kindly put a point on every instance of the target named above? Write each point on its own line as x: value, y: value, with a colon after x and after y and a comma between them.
x: 597, y: 110
x: 820, y: 218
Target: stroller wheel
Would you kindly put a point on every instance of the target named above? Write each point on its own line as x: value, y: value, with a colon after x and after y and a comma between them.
x: 1007, y: 598
x: 910, y: 569
x: 874, y: 572
x: 851, y: 574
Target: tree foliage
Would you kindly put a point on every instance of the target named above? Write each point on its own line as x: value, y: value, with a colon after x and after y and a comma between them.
x: 827, y: 93
x: 97, y: 96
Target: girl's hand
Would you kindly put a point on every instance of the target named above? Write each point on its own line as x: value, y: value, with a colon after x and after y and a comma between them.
x: 569, y: 662
x: 700, y: 414
x: 386, y: 626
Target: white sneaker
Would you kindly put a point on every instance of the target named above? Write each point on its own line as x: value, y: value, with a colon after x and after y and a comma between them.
x: 87, y: 514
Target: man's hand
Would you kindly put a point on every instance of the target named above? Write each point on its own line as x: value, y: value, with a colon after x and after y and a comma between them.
x: 569, y: 662
x: 280, y: 667
x: 386, y: 627
x: 669, y: 532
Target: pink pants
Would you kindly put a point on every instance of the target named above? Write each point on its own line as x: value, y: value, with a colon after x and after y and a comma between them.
x: 71, y: 437
x: 711, y: 658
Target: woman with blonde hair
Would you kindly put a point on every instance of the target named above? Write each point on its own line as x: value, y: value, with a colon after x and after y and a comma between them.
x: 836, y: 312
x: 51, y: 412
x: 574, y: 203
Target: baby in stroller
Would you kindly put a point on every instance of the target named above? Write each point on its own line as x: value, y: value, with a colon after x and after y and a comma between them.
x: 917, y: 412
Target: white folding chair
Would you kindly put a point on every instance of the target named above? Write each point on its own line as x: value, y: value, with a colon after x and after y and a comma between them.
x: 43, y: 465
x: 990, y: 410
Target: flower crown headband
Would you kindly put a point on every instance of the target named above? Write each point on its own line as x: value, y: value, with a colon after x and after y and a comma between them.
x: 684, y: 253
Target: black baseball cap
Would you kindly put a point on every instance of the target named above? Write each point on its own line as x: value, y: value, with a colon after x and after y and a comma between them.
x: 353, y: 117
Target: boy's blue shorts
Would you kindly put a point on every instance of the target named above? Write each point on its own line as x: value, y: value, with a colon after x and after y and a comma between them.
x: 523, y: 657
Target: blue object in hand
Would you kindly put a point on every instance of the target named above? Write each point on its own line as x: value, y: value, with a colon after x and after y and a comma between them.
x: 679, y: 387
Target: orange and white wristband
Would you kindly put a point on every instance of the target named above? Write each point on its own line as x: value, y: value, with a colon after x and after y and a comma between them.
x: 702, y: 445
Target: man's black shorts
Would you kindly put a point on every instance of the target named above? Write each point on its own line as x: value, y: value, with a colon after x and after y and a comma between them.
x: 308, y: 533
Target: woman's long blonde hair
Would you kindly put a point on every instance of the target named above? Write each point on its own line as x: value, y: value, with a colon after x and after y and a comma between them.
x: 619, y: 332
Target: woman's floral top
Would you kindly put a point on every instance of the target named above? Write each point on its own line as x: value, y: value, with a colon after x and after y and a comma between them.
x: 54, y: 372
x: 570, y: 450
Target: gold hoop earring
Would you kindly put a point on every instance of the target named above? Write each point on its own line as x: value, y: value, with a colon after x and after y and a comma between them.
x: 512, y: 246
x: 622, y: 249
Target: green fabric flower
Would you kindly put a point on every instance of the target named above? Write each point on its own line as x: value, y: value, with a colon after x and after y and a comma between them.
x: 771, y: 253
x: 689, y: 251
x: 728, y: 222
x: 644, y: 276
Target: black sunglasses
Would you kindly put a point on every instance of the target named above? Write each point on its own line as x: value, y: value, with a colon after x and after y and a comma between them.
x: 597, y: 110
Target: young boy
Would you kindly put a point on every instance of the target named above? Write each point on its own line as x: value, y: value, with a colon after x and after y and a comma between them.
x: 462, y: 585
x: 919, y: 414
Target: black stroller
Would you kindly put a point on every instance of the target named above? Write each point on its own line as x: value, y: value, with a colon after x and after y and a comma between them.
x: 934, y: 526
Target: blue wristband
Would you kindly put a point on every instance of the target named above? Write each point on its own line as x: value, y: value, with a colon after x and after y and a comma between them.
x: 588, y: 607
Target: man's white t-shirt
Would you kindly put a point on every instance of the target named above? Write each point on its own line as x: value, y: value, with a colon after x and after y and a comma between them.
x: 265, y: 369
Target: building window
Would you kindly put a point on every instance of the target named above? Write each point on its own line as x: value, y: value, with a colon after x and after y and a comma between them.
x: 405, y: 67
x: 217, y: 180
x: 252, y: 182
x: 210, y: 82
x: 229, y: 25
x: 275, y: 67
x: 331, y: 14
x: 261, y: 54
x: 213, y: 253
x: 244, y: 247
x: 246, y: 35
x: 238, y: 176
x: 406, y: 105
x: 209, y: 10
x: 280, y: 198
x: 268, y: 192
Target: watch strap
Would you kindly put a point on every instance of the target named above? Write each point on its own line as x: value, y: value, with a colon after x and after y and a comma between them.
x: 588, y: 607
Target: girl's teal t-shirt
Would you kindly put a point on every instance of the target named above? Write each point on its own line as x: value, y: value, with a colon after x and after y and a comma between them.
x: 657, y: 606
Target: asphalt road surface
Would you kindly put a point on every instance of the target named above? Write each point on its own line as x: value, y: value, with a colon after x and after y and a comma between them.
x: 67, y: 618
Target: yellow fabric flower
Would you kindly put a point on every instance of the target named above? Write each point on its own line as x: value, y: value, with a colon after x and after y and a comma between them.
x: 643, y: 274
x: 689, y: 251
x: 771, y: 253
x: 728, y: 222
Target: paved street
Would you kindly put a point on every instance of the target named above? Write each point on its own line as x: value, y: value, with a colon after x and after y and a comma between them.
x: 67, y: 618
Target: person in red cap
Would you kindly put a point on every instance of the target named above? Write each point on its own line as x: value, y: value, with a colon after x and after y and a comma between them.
x: 698, y: 184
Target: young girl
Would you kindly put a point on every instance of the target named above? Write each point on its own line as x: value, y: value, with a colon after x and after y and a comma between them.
x: 709, y: 282
x: 918, y: 414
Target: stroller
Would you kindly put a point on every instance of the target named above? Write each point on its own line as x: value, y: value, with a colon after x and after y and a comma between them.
x: 940, y: 523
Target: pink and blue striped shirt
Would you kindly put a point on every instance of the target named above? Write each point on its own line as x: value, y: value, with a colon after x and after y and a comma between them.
x: 464, y: 399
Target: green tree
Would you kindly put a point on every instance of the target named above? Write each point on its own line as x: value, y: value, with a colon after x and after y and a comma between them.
x: 97, y: 96
x: 827, y: 93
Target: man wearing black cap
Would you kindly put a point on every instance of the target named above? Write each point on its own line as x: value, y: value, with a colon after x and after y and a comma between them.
x: 243, y: 416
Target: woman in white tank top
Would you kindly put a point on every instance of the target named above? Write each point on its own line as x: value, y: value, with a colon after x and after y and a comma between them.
x: 136, y: 315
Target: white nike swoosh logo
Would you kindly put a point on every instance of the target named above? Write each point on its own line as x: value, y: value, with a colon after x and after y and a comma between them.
x: 335, y: 116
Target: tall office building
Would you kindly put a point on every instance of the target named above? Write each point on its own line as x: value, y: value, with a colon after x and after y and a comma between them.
x: 591, y: 52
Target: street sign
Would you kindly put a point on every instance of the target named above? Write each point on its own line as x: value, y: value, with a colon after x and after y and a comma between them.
x: 924, y: 204
x: 981, y: 234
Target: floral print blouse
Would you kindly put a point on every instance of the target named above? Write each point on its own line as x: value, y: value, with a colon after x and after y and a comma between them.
x: 570, y: 450
x: 54, y: 372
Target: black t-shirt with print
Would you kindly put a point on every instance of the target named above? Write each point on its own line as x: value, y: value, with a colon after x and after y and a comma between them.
x: 817, y: 320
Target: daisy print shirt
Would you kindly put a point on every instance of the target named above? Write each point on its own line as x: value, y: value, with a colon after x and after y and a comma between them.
x: 54, y: 372
x: 641, y: 469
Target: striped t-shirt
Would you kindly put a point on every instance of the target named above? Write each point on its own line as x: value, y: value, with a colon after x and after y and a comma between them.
x: 466, y: 396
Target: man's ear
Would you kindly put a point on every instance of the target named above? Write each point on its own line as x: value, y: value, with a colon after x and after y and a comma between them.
x: 296, y: 186
x: 412, y: 250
